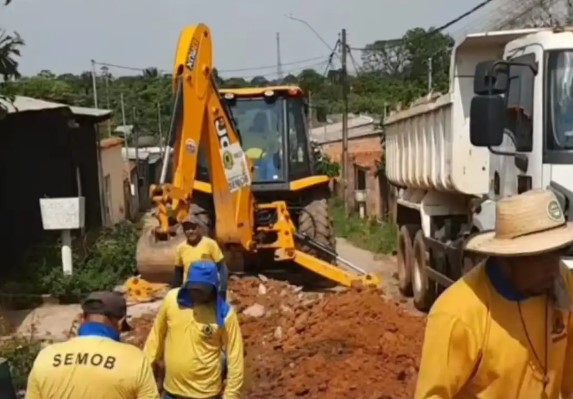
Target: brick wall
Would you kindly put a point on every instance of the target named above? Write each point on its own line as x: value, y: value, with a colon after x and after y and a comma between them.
x: 363, y: 154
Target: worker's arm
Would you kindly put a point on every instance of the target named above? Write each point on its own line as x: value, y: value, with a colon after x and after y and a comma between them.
x: 219, y: 259
x: 146, y: 385
x: 33, y: 386
x: 155, y: 343
x: 178, y: 271
x: 449, y: 357
x: 233, y: 342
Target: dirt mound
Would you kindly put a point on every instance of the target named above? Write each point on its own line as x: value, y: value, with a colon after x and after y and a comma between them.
x: 354, y: 343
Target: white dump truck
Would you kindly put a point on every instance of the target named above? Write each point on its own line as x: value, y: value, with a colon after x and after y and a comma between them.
x: 504, y: 127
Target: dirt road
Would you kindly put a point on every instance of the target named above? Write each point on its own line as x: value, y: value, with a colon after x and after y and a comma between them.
x: 347, y: 343
x: 329, y: 345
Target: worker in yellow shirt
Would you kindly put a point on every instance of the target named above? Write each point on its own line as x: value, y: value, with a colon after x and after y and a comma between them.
x: 197, y: 336
x: 95, y: 364
x: 198, y: 247
x: 505, y: 330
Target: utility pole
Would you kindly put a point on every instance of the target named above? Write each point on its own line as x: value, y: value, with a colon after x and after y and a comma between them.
x: 160, y: 129
x: 94, y: 82
x: 125, y: 146
x: 430, y: 73
x: 279, y: 63
x: 310, y: 110
x: 103, y: 199
x: 105, y: 73
x: 344, y: 120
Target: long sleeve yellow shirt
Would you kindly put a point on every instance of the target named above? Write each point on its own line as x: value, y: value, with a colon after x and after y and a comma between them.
x: 191, y: 343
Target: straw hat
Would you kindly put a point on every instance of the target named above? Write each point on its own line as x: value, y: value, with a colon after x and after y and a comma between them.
x: 526, y: 224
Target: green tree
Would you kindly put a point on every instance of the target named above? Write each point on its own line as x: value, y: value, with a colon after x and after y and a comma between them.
x: 10, y: 45
x: 259, y: 81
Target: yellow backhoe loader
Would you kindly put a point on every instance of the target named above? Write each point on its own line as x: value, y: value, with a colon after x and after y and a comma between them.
x: 263, y: 205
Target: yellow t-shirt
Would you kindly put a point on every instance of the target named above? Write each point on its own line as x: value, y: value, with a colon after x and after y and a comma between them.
x: 191, y: 344
x: 91, y: 367
x: 206, y: 249
x: 476, y: 346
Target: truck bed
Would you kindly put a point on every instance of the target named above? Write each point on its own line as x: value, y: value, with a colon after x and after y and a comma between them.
x: 428, y: 147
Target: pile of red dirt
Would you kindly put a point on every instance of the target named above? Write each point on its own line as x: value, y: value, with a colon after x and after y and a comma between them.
x: 355, y: 343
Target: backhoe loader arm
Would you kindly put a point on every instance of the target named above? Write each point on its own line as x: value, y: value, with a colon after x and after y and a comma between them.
x: 203, y: 122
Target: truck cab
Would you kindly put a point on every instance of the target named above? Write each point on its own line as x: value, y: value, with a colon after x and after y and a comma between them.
x: 522, y: 112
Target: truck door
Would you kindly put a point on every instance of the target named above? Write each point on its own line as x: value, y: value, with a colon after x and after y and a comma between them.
x: 512, y: 175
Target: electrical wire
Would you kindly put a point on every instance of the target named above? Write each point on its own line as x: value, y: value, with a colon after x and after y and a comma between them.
x: 398, y: 42
x: 332, y: 54
x: 257, y: 68
x: 275, y: 75
x: 322, y: 57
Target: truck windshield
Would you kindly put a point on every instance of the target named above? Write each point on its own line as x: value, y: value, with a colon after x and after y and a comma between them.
x: 261, y: 125
x: 560, y: 100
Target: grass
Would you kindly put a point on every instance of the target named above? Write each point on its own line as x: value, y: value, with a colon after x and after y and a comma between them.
x: 366, y: 234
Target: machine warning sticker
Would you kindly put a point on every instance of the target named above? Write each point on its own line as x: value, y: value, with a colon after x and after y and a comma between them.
x: 236, y: 167
x: 191, y: 146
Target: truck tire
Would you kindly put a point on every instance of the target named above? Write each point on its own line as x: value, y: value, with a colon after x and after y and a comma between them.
x: 315, y: 221
x: 422, y: 287
x: 404, y: 259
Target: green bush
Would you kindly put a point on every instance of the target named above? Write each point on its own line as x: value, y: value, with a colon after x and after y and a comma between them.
x: 107, y: 262
x: 20, y: 353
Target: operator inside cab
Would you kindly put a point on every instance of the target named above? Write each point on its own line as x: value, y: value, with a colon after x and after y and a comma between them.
x: 263, y: 147
x: 196, y: 248
x: 95, y: 364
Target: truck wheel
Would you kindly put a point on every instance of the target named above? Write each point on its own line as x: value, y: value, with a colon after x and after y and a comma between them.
x: 404, y: 259
x: 423, y: 288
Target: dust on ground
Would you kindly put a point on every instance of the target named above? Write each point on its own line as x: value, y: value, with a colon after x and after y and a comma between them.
x: 355, y: 343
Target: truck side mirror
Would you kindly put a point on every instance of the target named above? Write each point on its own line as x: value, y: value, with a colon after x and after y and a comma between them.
x: 491, y: 77
x: 487, y: 120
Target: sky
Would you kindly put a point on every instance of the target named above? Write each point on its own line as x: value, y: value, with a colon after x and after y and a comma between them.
x: 64, y: 35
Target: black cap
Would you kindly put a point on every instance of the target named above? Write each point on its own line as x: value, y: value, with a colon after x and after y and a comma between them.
x: 109, y: 304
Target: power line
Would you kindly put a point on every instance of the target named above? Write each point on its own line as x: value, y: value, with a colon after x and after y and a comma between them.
x: 398, y: 42
x: 256, y: 68
x: 274, y: 74
x: 322, y: 57
x: 332, y: 54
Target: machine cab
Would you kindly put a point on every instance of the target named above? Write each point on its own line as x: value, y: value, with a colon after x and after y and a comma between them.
x: 272, y: 126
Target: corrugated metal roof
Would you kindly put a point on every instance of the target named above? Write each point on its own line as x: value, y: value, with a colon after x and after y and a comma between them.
x: 29, y: 104
x: 95, y: 112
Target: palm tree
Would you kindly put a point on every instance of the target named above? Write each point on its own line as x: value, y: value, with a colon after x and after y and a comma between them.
x: 9, y: 49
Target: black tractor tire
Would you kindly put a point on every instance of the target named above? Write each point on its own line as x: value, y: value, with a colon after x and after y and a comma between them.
x: 315, y: 222
x: 423, y: 288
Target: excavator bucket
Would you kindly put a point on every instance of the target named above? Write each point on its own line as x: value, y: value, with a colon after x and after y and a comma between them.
x: 156, y: 259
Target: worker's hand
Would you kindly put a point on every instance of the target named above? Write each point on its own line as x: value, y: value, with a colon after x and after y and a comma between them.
x: 159, y: 374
